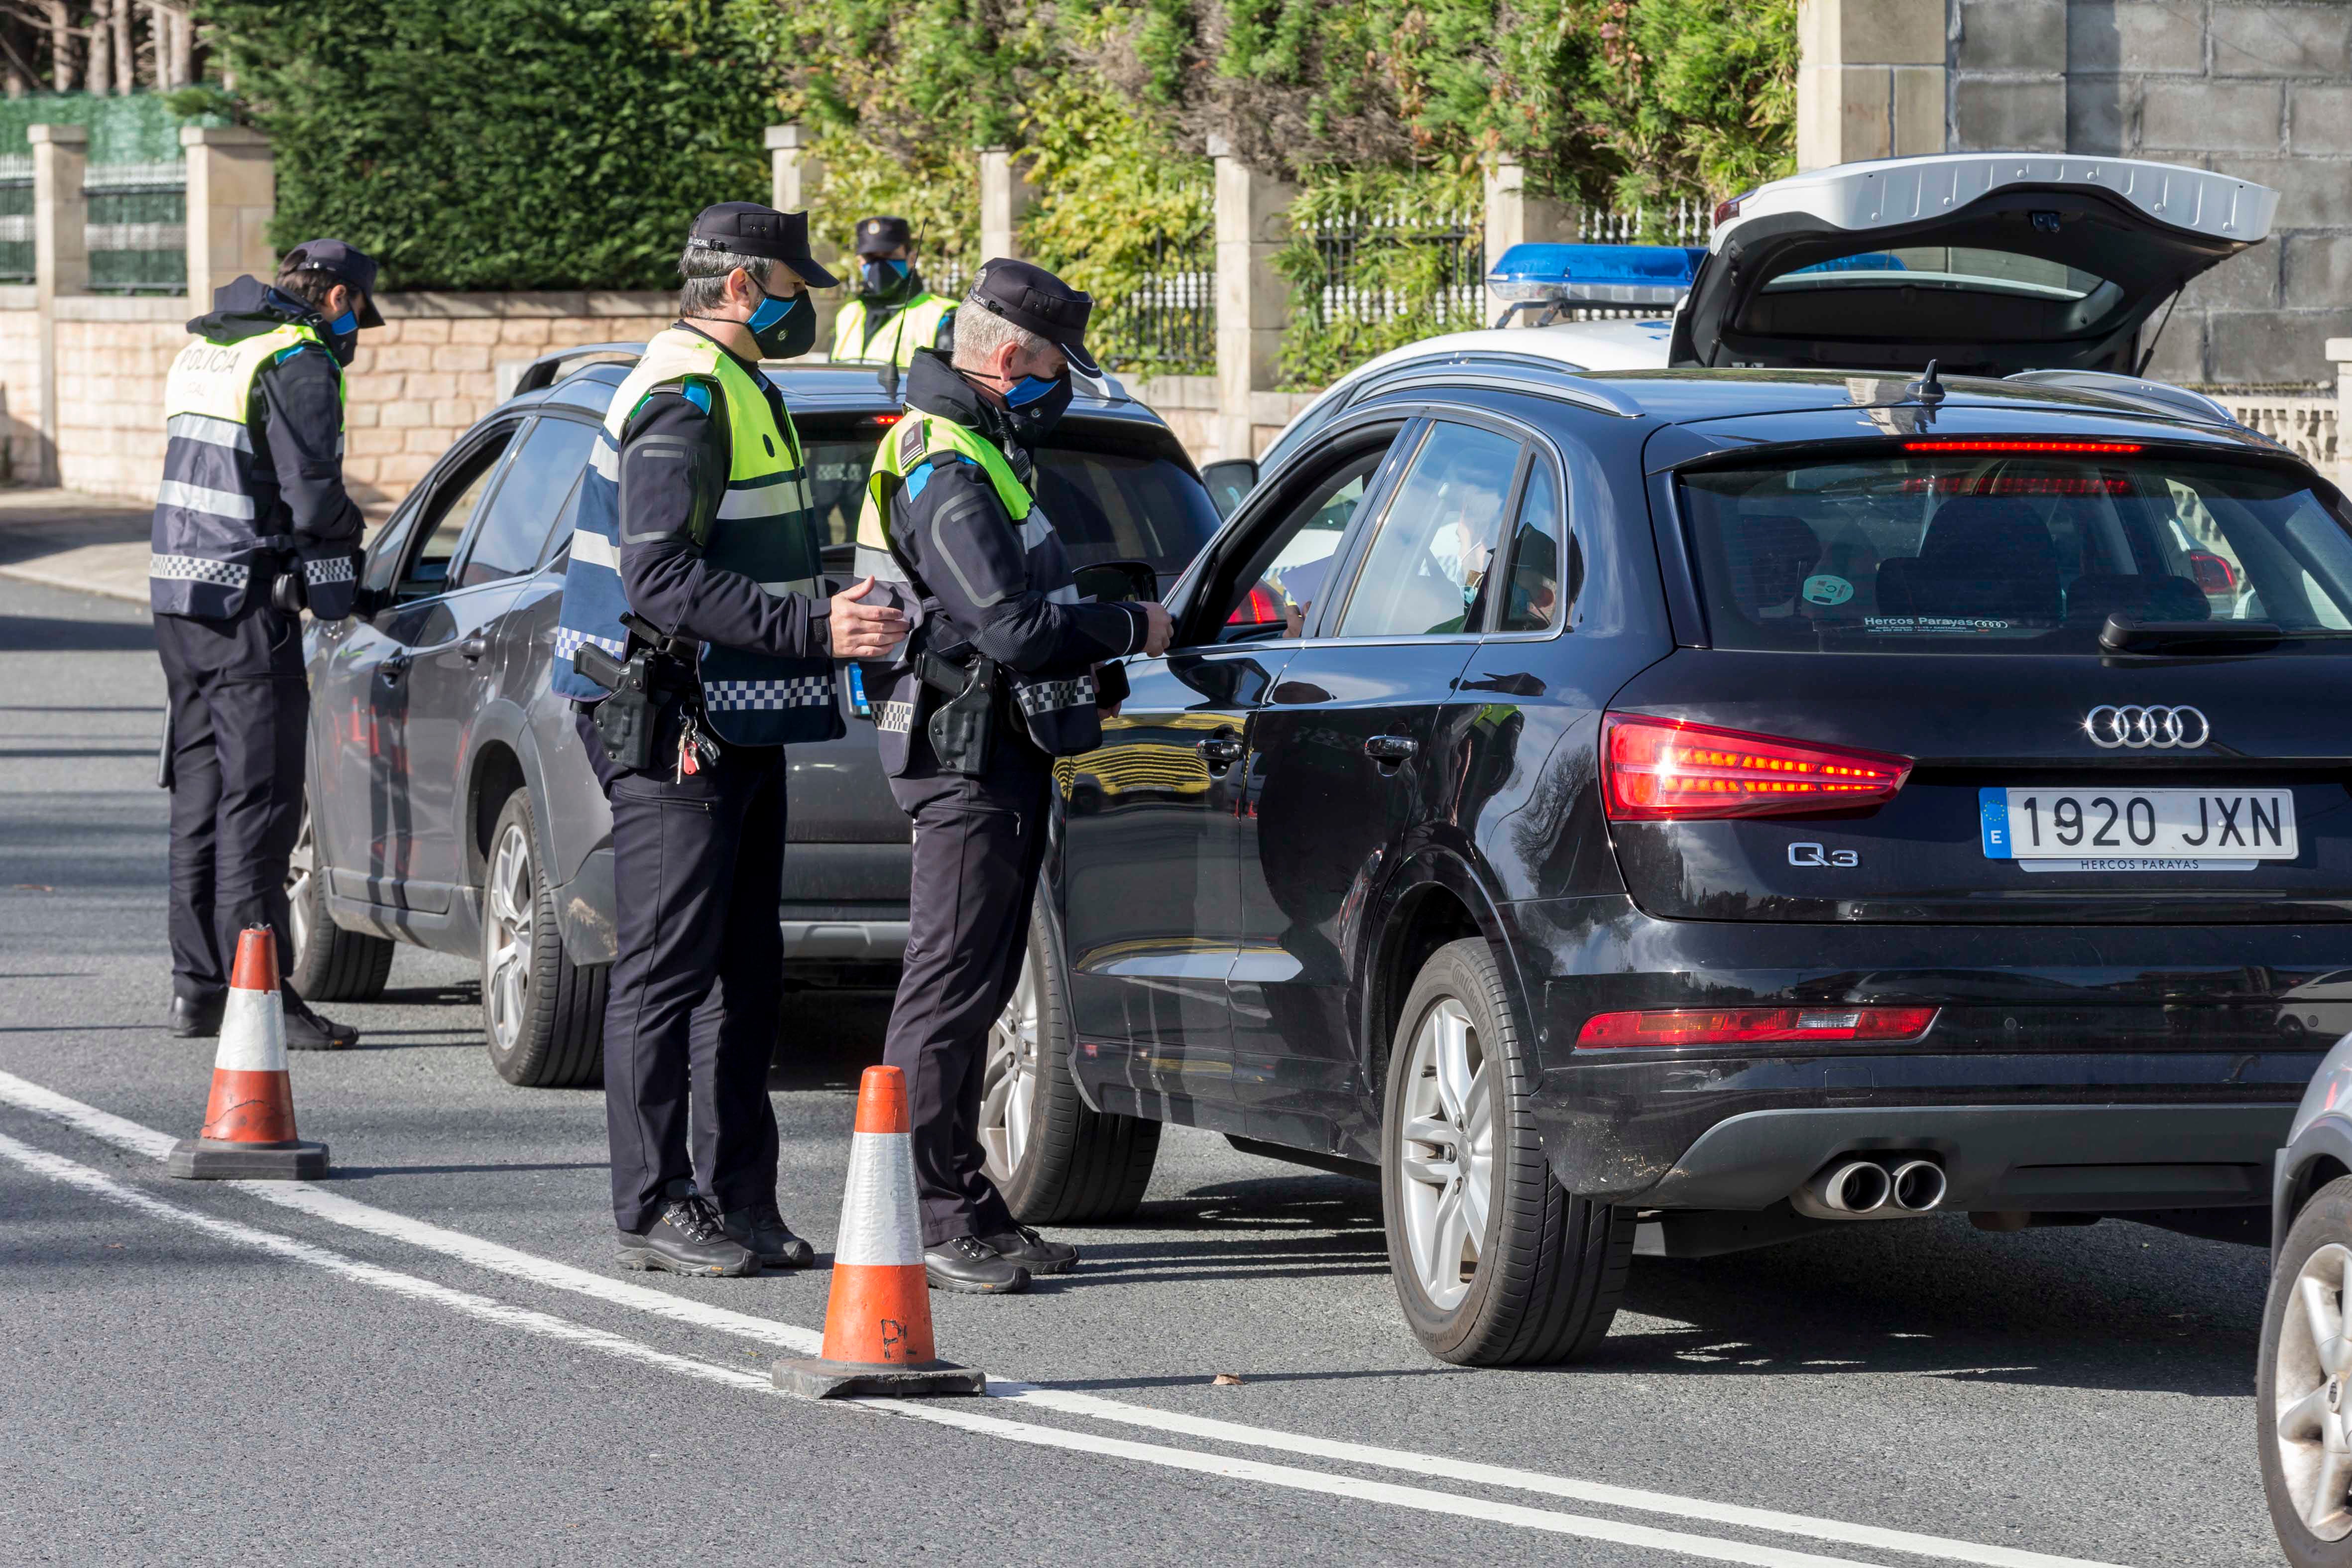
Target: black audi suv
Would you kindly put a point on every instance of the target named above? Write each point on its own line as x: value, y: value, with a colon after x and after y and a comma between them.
x: 449, y: 804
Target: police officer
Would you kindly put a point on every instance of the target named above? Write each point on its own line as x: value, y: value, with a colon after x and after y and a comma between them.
x: 997, y: 680
x: 697, y: 640
x: 251, y: 522
x: 890, y: 314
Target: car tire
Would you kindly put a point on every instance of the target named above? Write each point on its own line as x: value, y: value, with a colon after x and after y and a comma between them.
x: 542, y: 1014
x: 330, y: 964
x: 2293, y: 1379
x: 1536, y: 1277
x: 1056, y: 1160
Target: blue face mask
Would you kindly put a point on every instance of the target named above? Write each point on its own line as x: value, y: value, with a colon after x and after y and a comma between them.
x: 1036, y: 403
x: 1030, y: 388
x: 783, y: 329
x: 343, y: 336
x: 884, y: 277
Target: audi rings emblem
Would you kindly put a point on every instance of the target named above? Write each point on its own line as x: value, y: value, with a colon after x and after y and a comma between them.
x: 2161, y: 728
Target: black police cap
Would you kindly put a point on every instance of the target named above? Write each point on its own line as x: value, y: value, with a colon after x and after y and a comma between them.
x: 881, y: 236
x: 1029, y: 296
x: 747, y: 228
x: 346, y: 264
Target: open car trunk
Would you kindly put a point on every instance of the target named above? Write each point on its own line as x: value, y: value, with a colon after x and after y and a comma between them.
x: 1988, y: 263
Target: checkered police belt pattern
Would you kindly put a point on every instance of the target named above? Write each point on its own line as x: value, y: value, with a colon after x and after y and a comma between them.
x: 196, y: 569
x: 1048, y: 695
x: 895, y: 718
x: 568, y: 641
x: 800, y: 691
x: 332, y: 569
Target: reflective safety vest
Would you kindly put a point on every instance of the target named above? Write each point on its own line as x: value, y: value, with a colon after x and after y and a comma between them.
x: 1058, y: 710
x: 207, y: 538
x: 914, y: 325
x: 762, y: 530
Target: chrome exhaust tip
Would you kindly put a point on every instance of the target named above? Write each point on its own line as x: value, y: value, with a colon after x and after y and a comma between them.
x: 1857, y: 1186
x: 1917, y: 1185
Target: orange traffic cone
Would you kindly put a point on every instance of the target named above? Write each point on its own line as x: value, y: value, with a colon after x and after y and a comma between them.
x: 248, y: 1128
x: 877, y: 1322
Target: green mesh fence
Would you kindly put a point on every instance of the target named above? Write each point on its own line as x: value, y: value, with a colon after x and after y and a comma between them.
x: 139, y: 129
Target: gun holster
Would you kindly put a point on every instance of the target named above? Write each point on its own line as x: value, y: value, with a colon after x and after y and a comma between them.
x: 963, y: 728
x: 626, y: 722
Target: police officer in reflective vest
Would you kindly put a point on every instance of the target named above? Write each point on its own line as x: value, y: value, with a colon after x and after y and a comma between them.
x: 251, y: 522
x: 695, y: 638
x: 996, y: 681
x: 890, y: 314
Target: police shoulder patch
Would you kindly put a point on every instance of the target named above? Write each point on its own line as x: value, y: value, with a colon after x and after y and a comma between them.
x: 910, y: 442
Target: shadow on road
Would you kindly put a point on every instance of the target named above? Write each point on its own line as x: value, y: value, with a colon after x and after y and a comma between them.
x: 44, y: 634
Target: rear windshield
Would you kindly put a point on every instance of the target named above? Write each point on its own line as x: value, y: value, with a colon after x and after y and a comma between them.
x: 1946, y: 267
x: 2007, y: 549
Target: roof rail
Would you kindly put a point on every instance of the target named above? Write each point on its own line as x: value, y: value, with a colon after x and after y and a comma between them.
x: 542, y: 372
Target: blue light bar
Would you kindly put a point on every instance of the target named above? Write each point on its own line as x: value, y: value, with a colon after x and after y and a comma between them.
x: 1596, y: 274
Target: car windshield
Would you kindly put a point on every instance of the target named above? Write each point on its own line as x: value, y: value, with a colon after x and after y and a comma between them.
x: 2009, y: 546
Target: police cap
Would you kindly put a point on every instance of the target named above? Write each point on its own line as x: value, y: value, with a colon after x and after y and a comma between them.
x: 345, y: 263
x: 1029, y: 296
x: 881, y: 236
x: 747, y: 228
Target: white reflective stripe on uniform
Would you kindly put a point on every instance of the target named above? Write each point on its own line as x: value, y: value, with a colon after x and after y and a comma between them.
x: 762, y: 500
x: 1035, y: 529
x: 879, y: 1202
x: 605, y: 458
x: 880, y: 565
x: 1067, y: 593
x: 211, y: 431
x: 252, y: 1032
x: 196, y: 498
x: 329, y: 569
x: 769, y: 696
x: 807, y: 585
x: 196, y: 569
x: 595, y: 550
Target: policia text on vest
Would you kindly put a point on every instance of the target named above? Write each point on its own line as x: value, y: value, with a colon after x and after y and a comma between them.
x: 251, y: 522
x: 694, y: 568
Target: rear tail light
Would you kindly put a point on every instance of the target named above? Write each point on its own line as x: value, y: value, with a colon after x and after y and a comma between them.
x: 1661, y: 770
x: 1932, y: 446
x: 1753, y: 1026
x: 2213, y: 573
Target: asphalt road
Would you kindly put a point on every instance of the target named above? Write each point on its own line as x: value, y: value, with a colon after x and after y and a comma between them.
x: 429, y: 1357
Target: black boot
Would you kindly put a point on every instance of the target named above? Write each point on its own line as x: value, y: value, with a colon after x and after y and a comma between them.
x: 761, y: 1228
x: 970, y: 1265
x: 193, y: 1016
x: 1034, y: 1252
x: 687, y: 1239
x: 306, y: 1031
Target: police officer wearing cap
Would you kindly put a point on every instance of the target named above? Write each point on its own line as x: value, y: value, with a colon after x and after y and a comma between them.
x: 697, y: 640
x: 252, y: 523
x: 889, y: 314
x: 998, y: 679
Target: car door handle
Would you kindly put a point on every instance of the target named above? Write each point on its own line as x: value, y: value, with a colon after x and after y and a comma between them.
x: 1219, y: 751
x: 474, y: 647
x: 394, y: 666
x: 1390, y: 749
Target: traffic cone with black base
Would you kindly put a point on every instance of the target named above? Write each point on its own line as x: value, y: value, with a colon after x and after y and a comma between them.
x: 248, y: 1128
x: 878, y: 1322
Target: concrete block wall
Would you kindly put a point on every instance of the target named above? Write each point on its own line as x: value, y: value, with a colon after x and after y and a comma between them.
x: 20, y: 384
x: 113, y: 356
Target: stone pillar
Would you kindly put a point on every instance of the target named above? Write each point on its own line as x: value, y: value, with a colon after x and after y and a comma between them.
x: 231, y: 194
x: 60, y: 256
x: 1004, y: 195
x: 2339, y: 352
x: 1253, y: 300
x: 1870, y: 79
x: 1515, y: 218
x: 796, y: 176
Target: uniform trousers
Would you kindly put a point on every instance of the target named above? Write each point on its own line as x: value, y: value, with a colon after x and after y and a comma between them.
x: 240, y: 709
x: 696, y: 987
x: 979, y: 843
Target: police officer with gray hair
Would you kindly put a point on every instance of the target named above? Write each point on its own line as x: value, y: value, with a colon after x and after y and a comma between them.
x: 997, y: 679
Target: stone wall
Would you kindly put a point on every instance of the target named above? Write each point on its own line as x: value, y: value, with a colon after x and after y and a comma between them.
x: 2259, y: 89
x: 20, y: 385
x: 113, y: 356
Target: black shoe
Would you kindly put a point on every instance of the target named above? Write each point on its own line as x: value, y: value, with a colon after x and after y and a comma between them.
x: 1034, y: 1252
x: 970, y: 1265
x: 687, y: 1239
x: 761, y: 1228
x: 306, y: 1031
x: 200, y: 1015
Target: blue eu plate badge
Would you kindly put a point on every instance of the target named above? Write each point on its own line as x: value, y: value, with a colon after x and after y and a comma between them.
x: 1992, y: 817
x: 858, y: 703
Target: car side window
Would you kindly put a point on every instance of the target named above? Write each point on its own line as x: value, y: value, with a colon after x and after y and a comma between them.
x: 441, y: 519
x: 539, y: 480
x: 1282, y: 575
x: 1541, y: 585
x: 1426, y: 572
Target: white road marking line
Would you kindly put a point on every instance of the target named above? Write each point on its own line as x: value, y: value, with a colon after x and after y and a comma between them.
x: 321, y: 1203
x: 506, y: 1315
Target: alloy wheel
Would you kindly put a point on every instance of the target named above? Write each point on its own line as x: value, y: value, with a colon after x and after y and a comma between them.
x: 1445, y: 1153
x: 1008, y: 1102
x: 506, y: 969
x: 301, y: 867
x: 2315, y: 1361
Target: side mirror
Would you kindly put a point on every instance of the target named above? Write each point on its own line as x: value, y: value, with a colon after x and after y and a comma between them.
x: 1116, y: 582
x: 1228, y: 482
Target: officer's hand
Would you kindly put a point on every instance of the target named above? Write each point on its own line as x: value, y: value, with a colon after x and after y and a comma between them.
x: 865, y: 631
x: 1159, y: 626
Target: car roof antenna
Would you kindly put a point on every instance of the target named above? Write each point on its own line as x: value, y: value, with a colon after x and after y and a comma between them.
x: 1928, y: 389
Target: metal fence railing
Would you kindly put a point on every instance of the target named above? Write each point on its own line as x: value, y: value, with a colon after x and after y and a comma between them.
x: 1442, y: 255
x: 16, y: 219
x: 1687, y: 222
x: 1167, y: 324
x: 138, y: 227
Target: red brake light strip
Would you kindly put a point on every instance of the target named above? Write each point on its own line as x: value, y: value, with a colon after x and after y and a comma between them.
x: 2021, y: 445
x: 1753, y: 1025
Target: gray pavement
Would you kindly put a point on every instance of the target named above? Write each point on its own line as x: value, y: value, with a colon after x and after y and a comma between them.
x: 192, y: 1374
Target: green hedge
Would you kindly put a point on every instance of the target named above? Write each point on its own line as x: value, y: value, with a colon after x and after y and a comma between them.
x: 500, y: 143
